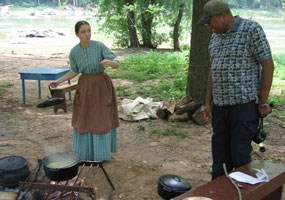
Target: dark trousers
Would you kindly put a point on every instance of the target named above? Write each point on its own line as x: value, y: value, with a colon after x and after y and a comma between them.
x: 233, y: 130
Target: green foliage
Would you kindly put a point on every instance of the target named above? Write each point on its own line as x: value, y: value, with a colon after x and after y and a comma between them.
x: 161, y: 76
x: 168, y: 132
x: 152, y: 65
x: 112, y: 20
x: 279, y: 79
x: 278, y: 100
x: 3, y: 86
x: 279, y: 62
x: 141, y: 127
x: 125, y: 91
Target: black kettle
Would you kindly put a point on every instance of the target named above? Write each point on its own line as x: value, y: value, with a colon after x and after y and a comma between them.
x: 170, y: 186
x: 12, y: 170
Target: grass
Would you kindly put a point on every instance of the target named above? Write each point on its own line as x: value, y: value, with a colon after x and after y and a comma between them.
x: 161, y: 76
x: 168, y: 132
x: 156, y: 75
x: 3, y: 86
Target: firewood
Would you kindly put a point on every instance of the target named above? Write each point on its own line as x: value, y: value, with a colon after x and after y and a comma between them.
x: 184, y: 101
x: 171, y: 107
x: 192, y: 106
x: 198, y: 116
x: 162, y: 113
x: 178, y: 118
x: 167, y: 109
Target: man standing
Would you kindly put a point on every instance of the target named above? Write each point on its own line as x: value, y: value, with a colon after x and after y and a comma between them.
x: 239, y: 83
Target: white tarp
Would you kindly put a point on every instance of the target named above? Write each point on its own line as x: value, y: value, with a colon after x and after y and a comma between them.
x: 138, y: 109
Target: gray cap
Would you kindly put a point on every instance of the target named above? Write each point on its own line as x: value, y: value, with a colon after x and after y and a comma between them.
x: 212, y: 8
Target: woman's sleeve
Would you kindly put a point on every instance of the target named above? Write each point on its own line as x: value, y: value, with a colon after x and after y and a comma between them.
x: 107, y: 53
x: 72, y: 62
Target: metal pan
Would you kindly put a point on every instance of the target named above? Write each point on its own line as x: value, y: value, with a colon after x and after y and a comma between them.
x: 61, y: 166
x: 51, y: 102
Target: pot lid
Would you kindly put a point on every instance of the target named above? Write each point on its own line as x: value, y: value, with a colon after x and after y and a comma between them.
x: 10, y: 163
x: 175, y: 181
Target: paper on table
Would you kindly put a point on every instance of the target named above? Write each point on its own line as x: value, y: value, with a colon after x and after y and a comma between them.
x: 261, y: 176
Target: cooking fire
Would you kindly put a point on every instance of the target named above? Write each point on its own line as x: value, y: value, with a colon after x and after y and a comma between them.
x: 52, y: 178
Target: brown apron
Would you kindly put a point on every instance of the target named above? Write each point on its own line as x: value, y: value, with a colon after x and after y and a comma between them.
x: 95, y: 106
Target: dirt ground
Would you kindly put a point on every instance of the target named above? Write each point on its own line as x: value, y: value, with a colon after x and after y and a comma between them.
x: 142, y: 157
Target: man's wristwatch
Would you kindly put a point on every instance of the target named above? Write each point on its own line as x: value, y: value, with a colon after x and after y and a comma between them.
x: 264, y: 105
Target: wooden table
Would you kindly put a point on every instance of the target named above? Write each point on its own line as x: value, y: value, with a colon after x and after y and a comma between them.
x: 40, y: 74
x: 222, y: 189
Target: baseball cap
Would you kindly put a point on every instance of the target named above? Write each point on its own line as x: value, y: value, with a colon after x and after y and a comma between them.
x: 212, y: 8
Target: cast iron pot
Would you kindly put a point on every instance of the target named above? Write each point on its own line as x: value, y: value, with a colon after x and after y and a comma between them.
x: 170, y: 186
x: 12, y: 170
x: 51, y: 101
x: 61, y: 166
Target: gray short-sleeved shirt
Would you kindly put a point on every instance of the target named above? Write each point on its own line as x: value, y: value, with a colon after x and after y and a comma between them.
x: 87, y: 60
x: 235, y: 62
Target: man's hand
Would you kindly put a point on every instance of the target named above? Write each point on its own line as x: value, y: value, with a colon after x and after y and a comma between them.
x: 264, y: 109
x: 207, y: 112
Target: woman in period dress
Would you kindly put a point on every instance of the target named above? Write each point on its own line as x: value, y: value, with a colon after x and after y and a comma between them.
x: 95, y: 115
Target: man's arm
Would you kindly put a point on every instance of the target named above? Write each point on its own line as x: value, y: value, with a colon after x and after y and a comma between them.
x: 209, y: 98
x: 266, y: 82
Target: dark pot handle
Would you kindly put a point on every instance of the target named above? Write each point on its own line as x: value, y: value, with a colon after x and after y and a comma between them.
x: 177, y: 178
x: 167, y: 189
x: 11, y: 159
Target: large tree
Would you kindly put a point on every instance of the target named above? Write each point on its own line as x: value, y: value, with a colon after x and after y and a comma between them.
x: 199, y: 64
x: 146, y: 23
x: 131, y: 21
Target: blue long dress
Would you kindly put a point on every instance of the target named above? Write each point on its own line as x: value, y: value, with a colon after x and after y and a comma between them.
x: 95, y: 116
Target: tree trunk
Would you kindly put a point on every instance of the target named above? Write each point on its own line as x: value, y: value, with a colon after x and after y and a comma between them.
x: 176, y: 45
x: 199, y: 56
x: 134, y: 41
x: 147, y: 18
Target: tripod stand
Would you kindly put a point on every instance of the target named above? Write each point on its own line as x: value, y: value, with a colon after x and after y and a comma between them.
x: 98, y: 164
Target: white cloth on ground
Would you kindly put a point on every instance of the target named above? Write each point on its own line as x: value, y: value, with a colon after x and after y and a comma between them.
x: 138, y: 109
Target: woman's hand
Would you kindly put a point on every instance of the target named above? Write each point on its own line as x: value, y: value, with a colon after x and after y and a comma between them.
x: 53, y: 84
x: 106, y: 63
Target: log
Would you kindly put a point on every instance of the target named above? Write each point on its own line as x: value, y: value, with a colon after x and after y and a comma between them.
x: 184, y: 101
x: 167, y: 109
x: 191, y: 106
x: 178, y: 118
x: 162, y: 113
x: 198, y: 116
x: 171, y: 107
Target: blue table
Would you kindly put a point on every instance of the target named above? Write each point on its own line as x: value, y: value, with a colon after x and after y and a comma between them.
x: 41, y: 74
